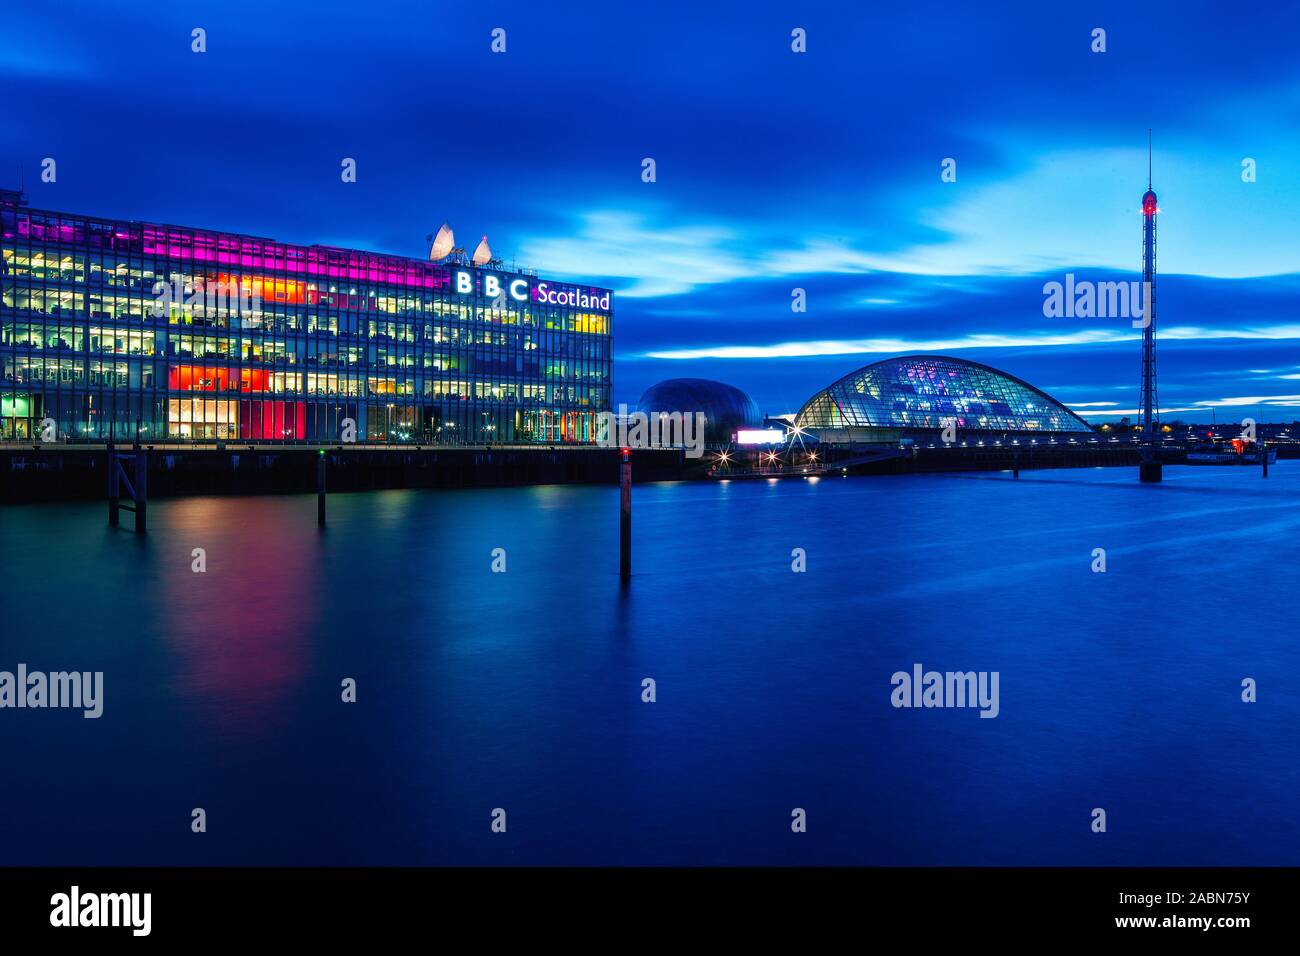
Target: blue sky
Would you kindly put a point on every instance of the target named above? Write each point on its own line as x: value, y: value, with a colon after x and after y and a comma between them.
x: 775, y: 170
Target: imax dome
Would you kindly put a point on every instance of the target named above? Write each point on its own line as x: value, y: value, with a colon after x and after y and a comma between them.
x: 725, y: 407
x: 917, y: 392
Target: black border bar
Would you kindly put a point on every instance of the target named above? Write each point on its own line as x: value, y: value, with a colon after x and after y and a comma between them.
x: 367, y: 904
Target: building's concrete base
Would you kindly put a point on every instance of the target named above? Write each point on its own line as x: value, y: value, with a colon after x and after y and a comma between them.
x: 59, y: 472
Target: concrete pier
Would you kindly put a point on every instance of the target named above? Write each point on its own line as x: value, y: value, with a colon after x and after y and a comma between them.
x: 1150, y: 467
x: 32, y: 472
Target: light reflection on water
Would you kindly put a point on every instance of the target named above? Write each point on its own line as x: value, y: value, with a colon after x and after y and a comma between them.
x: 522, y: 690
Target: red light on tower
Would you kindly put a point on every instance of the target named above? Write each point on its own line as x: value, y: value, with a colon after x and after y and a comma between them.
x: 1149, y: 204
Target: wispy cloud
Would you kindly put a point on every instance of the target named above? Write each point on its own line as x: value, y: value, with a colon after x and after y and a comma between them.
x: 874, y: 346
x: 1190, y: 410
x: 643, y: 256
x: 877, y: 346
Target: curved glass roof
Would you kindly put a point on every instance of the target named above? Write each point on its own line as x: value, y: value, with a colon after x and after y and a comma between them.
x: 929, y: 391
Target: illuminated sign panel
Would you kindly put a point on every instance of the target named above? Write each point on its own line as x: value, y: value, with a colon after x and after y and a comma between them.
x: 544, y: 292
x: 760, y: 436
x: 549, y: 293
x: 493, y: 285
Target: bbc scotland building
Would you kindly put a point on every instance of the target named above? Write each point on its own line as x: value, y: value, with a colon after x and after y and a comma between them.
x: 101, y: 333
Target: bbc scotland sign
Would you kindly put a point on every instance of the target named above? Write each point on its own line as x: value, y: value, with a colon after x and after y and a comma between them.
x: 543, y: 292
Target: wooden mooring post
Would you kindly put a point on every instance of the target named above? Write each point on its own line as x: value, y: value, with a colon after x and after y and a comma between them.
x: 320, y: 488
x: 625, y: 517
x: 112, y: 484
x: 137, y: 485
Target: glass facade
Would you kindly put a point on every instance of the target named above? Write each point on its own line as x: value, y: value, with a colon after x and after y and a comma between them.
x: 923, y: 392
x: 203, y: 336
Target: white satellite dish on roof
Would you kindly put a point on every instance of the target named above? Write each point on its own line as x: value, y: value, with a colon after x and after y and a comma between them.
x: 482, y: 255
x: 443, y: 243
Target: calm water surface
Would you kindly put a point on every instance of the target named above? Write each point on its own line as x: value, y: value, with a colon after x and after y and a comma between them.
x: 523, y: 690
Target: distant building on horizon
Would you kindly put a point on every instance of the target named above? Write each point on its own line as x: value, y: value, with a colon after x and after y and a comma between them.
x: 312, y: 340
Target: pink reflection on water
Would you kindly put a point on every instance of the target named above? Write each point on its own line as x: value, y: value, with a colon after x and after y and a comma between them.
x: 239, y: 632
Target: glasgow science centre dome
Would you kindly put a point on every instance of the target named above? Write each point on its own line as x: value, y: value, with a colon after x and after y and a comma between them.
x: 927, y: 392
